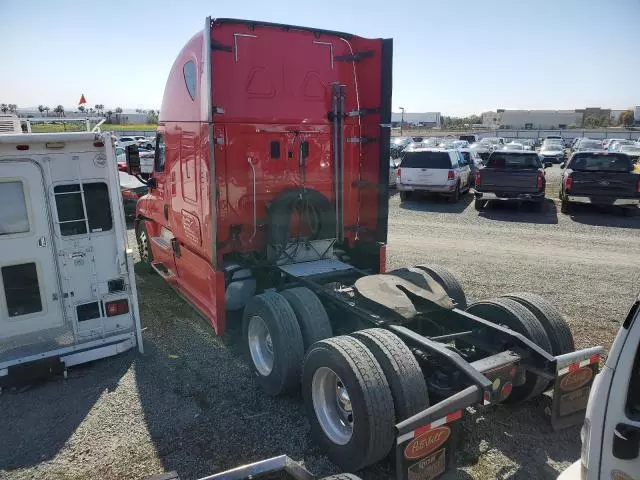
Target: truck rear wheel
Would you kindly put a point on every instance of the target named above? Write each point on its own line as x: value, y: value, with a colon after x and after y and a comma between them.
x: 509, y: 313
x: 273, y: 343
x: 401, y: 369
x: 448, y: 281
x: 348, y: 402
x: 553, y: 322
x: 310, y: 313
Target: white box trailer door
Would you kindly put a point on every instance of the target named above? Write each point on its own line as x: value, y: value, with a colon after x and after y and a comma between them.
x: 29, y: 282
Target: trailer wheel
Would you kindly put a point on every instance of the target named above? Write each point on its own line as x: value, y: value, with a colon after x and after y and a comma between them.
x: 507, y: 312
x: 310, y: 313
x: 551, y: 319
x: 273, y: 342
x: 400, y: 367
x: 450, y: 283
x: 144, y: 244
x: 348, y: 402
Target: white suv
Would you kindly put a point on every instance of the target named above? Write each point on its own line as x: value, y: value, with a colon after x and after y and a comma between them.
x: 433, y: 170
x: 611, y: 431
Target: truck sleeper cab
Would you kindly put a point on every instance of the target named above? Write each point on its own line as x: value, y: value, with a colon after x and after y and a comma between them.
x: 269, y: 195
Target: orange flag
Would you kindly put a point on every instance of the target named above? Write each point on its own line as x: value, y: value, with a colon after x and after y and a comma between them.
x: 82, y: 100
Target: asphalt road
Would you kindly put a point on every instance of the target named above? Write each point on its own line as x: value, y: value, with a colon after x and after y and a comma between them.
x: 190, y: 404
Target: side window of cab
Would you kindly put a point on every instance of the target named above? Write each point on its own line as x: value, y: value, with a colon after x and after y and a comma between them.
x: 159, y: 154
x: 189, y: 72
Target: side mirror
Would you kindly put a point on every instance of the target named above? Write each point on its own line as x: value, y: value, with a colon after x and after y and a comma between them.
x: 563, y: 164
x: 132, y: 159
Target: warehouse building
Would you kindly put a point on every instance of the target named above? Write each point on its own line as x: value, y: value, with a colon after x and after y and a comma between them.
x: 532, y: 119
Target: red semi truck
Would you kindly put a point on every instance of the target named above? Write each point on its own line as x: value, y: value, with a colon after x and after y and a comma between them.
x: 268, y: 195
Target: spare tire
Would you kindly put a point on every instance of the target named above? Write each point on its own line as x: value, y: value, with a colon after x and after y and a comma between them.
x: 507, y: 312
x: 552, y: 321
x: 315, y: 204
x: 449, y: 282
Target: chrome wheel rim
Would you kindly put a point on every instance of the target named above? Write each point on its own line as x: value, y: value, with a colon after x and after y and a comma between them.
x: 332, y: 405
x: 260, y: 345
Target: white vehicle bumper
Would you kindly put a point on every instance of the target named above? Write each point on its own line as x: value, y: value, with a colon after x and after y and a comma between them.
x: 571, y: 473
x: 520, y: 196
x: 426, y: 188
x: 618, y: 201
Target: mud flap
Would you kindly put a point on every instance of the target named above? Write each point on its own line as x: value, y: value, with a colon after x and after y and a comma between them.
x: 567, y: 401
x: 425, y: 443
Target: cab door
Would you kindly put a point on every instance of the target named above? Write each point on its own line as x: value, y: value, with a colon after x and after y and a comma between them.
x: 621, y: 435
x: 29, y: 289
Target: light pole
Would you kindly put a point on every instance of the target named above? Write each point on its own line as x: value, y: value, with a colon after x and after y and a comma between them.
x: 401, y: 120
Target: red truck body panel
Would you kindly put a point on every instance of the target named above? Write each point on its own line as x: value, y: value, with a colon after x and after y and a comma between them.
x: 265, y: 90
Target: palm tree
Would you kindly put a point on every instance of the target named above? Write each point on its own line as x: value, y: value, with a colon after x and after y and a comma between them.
x: 46, y: 109
x: 13, y: 107
x: 59, y: 111
x: 41, y: 109
x: 81, y: 109
x: 118, y: 112
x: 4, y: 108
x: 109, y: 113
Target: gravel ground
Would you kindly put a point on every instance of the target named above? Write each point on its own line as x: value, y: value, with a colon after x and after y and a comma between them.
x: 190, y: 404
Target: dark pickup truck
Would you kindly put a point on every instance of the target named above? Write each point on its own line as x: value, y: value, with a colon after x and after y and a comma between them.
x: 510, y: 175
x: 600, y: 178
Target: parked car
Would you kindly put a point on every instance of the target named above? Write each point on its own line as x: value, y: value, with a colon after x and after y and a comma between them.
x: 552, y: 152
x: 510, y: 175
x: 398, y: 144
x: 611, y: 431
x: 469, y: 138
x: 126, y: 141
x: 588, y: 144
x: 616, y: 145
x: 558, y: 138
x: 632, y: 150
x: 608, y: 141
x: 131, y: 190
x: 528, y: 144
x: 513, y: 146
x: 433, y: 170
x: 600, y: 178
x: 492, y: 142
x: 473, y: 158
x: 393, y: 168
x: 482, y: 150
x: 574, y: 143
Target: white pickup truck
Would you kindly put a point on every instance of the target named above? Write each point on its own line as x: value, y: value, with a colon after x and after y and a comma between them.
x: 67, y: 287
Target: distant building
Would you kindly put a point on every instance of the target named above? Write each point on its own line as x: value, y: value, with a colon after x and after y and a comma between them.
x: 426, y: 119
x: 532, y: 119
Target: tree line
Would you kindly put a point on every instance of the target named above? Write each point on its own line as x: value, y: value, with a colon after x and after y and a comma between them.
x: 111, y: 116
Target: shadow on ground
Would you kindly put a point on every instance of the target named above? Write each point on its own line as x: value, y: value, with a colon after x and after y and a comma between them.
x: 38, y: 420
x: 523, y: 213
x: 604, y: 216
x: 437, y: 203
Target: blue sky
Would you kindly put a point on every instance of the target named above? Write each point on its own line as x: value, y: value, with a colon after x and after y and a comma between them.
x: 457, y: 57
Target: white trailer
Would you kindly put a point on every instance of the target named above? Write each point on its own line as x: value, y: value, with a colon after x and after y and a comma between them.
x: 67, y: 287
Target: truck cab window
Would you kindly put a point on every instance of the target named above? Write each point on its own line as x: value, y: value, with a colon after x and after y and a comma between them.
x: 160, y: 153
x: 189, y: 72
x: 71, y: 211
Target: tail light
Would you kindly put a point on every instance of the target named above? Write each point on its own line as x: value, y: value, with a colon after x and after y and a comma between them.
x: 451, y: 175
x: 568, y: 183
x: 117, y: 307
x: 398, y: 172
x: 638, y: 186
x: 540, y: 180
x: 477, y: 178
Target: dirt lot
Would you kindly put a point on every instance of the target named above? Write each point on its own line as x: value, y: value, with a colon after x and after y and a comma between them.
x: 189, y: 403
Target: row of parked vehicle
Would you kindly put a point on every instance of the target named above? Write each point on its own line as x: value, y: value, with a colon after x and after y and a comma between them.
x: 513, y: 174
x: 131, y: 188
